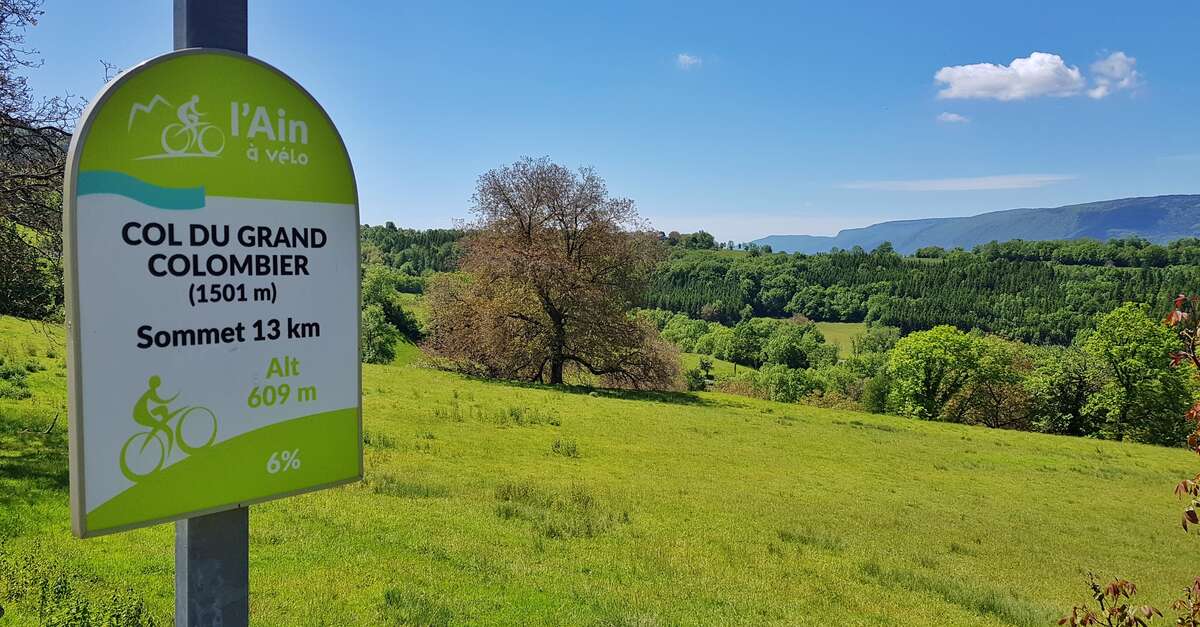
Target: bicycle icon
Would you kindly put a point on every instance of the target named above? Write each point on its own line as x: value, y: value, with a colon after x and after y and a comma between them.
x: 145, y: 452
x: 189, y: 137
x: 179, y: 140
x: 180, y: 137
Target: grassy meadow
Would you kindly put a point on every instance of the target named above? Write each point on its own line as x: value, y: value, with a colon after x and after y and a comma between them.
x: 841, y: 334
x: 517, y: 504
x: 721, y: 369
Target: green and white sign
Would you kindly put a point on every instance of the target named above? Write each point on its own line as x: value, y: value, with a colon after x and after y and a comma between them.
x: 211, y: 221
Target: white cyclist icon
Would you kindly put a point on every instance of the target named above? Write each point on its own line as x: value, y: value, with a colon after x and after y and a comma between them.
x: 191, y: 137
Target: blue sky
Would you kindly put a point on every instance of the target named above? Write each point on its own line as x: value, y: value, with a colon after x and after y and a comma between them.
x: 744, y: 119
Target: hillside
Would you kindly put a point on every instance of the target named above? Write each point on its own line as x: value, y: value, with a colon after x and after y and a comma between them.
x: 1159, y: 219
x: 675, y: 508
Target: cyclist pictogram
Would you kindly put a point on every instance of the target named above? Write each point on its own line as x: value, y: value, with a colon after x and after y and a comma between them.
x: 145, y: 452
x: 190, y: 136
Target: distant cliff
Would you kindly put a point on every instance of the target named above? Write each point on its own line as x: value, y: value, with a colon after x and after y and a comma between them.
x: 1156, y: 218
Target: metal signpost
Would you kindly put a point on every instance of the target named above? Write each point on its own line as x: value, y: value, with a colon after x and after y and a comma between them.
x: 211, y: 231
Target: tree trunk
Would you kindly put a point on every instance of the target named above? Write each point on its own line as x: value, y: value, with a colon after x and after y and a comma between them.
x: 558, y: 339
x: 557, y: 345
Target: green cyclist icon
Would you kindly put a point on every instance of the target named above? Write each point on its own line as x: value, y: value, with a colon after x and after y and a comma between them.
x: 146, y: 451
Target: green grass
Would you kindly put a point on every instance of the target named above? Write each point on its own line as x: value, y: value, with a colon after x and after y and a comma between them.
x: 841, y: 333
x: 721, y: 369
x: 677, y: 508
x: 406, y: 353
x: 415, y: 304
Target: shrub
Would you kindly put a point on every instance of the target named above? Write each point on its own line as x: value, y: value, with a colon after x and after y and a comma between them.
x: 783, y: 384
x: 743, y: 385
x: 841, y: 380
x: 8, y: 389
x: 566, y: 448
x: 695, y: 379
x: 875, y: 393
x: 379, y: 336
x: 12, y: 378
x: 381, y: 286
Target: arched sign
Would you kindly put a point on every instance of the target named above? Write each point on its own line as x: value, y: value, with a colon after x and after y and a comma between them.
x: 211, y: 234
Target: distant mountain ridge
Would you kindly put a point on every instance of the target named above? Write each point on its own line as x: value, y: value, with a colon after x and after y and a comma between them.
x: 1159, y: 219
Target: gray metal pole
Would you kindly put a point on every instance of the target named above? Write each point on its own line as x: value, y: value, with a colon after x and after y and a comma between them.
x: 212, y: 553
x: 211, y: 24
x: 212, y: 569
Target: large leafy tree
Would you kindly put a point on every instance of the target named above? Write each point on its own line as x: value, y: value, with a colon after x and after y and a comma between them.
x: 1145, y: 396
x: 928, y: 368
x: 798, y: 346
x: 34, y: 135
x: 994, y: 395
x: 549, y: 273
x: 1062, y: 385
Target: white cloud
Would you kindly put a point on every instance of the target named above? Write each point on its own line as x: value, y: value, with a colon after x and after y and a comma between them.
x: 952, y: 118
x: 964, y: 184
x: 1113, y: 73
x: 1039, y: 74
x: 686, y: 61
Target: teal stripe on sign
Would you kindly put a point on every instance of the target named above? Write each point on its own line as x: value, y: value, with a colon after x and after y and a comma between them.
x: 109, y: 182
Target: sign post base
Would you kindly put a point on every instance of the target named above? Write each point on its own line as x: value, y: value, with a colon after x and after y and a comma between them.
x: 212, y: 569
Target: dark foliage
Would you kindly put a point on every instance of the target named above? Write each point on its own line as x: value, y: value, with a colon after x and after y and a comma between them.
x: 412, y: 251
x: 1011, y: 290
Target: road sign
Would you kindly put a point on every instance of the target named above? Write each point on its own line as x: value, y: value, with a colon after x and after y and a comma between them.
x: 211, y: 228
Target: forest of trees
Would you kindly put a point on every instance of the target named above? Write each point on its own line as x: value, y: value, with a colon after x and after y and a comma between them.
x: 414, y: 252
x: 1040, y: 292
x: 1018, y: 290
x: 1115, y: 381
